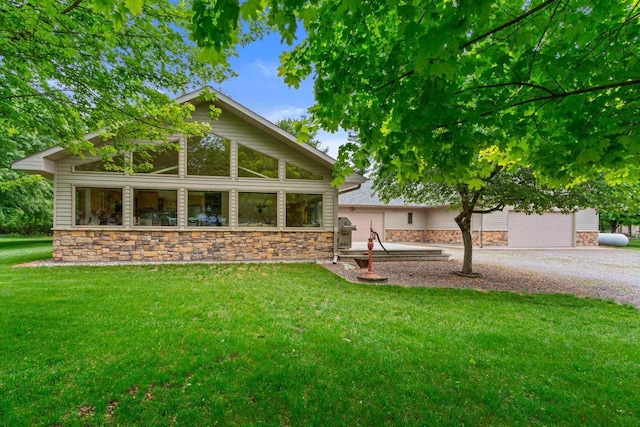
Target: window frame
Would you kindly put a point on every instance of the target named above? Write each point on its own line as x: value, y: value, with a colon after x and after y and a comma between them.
x: 74, y: 207
x: 207, y: 227
x: 230, y: 163
x: 303, y: 226
x: 276, y: 223
x: 132, y: 209
x: 239, y: 147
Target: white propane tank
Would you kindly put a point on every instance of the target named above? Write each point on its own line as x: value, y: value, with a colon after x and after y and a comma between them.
x: 612, y: 239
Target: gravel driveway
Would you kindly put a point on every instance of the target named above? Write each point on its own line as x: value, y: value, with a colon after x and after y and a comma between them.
x: 607, y: 273
x: 609, y: 265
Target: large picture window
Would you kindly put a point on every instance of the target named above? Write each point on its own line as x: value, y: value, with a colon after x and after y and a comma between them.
x: 98, y: 206
x: 155, y: 207
x: 163, y: 162
x: 101, y: 165
x: 208, y: 156
x: 257, y: 209
x: 304, y: 210
x: 295, y: 172
x: 253, y: 164
x: 208, y: 208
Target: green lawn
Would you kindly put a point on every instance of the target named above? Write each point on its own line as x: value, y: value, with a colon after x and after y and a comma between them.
x: 292, y: 344
x: 634, y: 244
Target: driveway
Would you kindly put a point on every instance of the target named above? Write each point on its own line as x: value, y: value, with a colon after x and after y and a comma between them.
x: 608, y: 265
x: 608, y: 273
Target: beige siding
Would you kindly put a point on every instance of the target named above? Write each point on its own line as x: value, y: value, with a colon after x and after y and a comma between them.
x: 441, y: 219
x: 64, y: 205
x: 227, y: 126
x: 587, y: 220
x: 364, y: 221
x: 495, y: 221
x: 127, y: 207
x: 397, y: 219
x: 328, y: 212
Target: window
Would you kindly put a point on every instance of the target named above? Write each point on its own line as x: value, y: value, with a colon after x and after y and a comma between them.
x: 163, y: 162
x: 256, y: 165
x: 257, y: 209
x: 100, y: 165
x: 208, y: 156
x: 98, y: 206
x: 304, y: 210
x: 208, y: 208
x: 294, y: 172
x: 155, y: 207
x: 410, y: 218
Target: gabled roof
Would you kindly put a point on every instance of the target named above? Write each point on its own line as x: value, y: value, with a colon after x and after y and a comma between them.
x: 365, y: 196
x: 43, y: 162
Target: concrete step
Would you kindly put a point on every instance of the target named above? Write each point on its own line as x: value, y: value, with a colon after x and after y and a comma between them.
x: 395, y: 255
x: 376, y: 252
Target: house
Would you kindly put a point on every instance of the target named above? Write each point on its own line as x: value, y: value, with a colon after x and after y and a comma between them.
x: 398, y: 221
x: 246, y: 191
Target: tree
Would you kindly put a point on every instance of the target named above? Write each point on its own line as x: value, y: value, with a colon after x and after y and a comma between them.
x: 519, y: 189
x: 69, y: 68
x: 26, y: 201
x: 460, y: 94
x: 300, y: 126
x: 621, y: 206
x: 550, y: 85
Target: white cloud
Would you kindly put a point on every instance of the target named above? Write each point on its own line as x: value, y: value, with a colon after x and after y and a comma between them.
x: 332, y: 140
x: 284, y: 112
x: 269, y: 70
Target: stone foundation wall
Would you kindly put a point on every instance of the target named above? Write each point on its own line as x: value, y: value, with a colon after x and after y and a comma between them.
x: 493, y: 238
x: 587, y: 238
x: 400, y: 236
x: 443, y: 236
x: 141, y: 245
x: 453, y: 237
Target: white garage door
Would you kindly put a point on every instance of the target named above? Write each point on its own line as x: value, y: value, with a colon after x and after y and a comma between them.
x: 541, y: 231
x: 362, y: 221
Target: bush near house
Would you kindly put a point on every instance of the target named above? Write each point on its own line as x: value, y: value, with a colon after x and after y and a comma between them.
x: 275, y: 344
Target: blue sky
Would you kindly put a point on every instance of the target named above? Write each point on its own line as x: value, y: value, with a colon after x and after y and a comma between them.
x: 259, y: 88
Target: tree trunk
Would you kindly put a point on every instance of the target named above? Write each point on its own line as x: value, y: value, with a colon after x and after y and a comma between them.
x: 614, y: 225
x: 464, y: 222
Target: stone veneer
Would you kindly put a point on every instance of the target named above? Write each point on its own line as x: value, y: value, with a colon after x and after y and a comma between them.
x: 587, y: 238
x: 489, y: 238
x: 400, y: 236
x: 169, y: 245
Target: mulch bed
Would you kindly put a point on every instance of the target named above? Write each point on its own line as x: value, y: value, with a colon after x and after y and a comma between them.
x: 440, y: 274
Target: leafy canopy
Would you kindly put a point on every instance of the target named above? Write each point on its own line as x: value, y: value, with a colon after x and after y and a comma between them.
x: 26, y: 201
x: 302, y: 130
x: 551, y: 85
x: 69, y: 68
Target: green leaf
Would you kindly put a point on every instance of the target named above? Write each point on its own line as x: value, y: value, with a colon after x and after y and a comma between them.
x: 134, y: 6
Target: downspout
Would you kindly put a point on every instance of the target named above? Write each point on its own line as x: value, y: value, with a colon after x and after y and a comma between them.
x: 335, y: 221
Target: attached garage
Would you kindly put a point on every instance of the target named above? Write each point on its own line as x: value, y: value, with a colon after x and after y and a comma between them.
x: 362, y: 221
x: 552, y: 229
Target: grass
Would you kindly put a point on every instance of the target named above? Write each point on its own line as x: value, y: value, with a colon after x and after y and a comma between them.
x: 292, y: 344
x: 634, y: 244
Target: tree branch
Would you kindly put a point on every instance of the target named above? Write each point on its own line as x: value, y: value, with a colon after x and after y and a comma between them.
x: 477, y: 39
x: 488, y: 211
x: 72, y: 6
x: 535, y: 86
x: 507, y: 24
x: 563, y: 95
